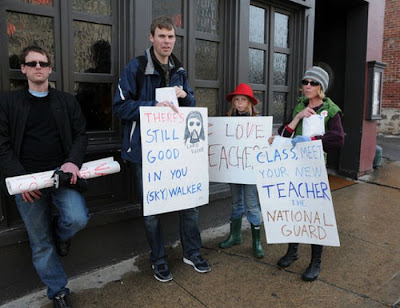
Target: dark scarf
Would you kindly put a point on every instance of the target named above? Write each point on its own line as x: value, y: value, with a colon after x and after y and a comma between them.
x: 163, y: 70
x: 237, y: 114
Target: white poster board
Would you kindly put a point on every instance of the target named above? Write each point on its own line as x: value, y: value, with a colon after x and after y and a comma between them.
x: 89, y: 170
x: 295, y: 197
x: 233, y: 141
x: 167, y: 94
x: 174, y: 159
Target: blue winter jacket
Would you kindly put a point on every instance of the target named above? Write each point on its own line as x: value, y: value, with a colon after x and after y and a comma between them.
x: 126, y: 103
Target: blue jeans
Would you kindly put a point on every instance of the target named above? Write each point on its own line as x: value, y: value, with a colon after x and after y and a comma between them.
x: 38, y: 222
x: 188, y: 227
x: 245, y: 200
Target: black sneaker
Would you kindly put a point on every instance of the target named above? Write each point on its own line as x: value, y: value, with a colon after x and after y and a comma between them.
x: 162, y: 272
x: 61, y: 301
x: 62, y: 247
x: 199, y: 264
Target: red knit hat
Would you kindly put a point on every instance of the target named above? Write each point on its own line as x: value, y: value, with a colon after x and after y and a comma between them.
x: 243, y: 89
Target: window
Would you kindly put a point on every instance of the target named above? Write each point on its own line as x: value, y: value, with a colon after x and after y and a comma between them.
x: 81, y: 38
x: 198, y: 45
x: 281, y: 62
x: 174, y: 9
x: 23, y: 29
x: 92, y: 50
x: 84, y: 52
x: 270, y: 50
x: 92, y: 55
x: 258, y: 53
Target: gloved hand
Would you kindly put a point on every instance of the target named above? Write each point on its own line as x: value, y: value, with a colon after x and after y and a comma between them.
x: 300, y: 138
x: 63, y: 179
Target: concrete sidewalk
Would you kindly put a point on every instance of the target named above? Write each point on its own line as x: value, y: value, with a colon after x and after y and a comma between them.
x: 363, y: 272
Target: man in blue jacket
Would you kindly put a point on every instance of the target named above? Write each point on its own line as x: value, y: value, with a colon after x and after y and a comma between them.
x: 139, y: 80
x: 43, y: 129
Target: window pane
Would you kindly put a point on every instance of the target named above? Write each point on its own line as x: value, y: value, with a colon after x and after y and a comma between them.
x: 278, y: 107
x: 92, y: 48
x: 14, y: 62
x: 207, y: 98
x: 207, y: 16
x: 173, y: 8
x: 206, y: 60
x: 280, y: 69
x: 37, y: 2
x: 178, y: 48
x: 281, y: 30
x: 256, y: 66
x: 17, y: 84
x: 257, y: 25
x: 24, y: 30
x: 260, y: 95
x: 99, y: 7
x: 96, y: 103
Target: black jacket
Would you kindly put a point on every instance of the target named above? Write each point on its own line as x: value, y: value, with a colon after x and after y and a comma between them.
x: 14, y: 110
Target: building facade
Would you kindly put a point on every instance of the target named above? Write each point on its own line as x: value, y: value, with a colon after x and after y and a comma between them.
x: 390, y: 122
x: 267, y: 44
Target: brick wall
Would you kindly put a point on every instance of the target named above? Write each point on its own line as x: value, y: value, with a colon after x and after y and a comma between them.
x: 391, y: 55
x: 390, y: 123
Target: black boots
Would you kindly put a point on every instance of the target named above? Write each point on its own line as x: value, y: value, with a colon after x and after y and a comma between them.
x: 62, y: 247
x: 312, y: 272
x: 235, y: 236
x: 290, y: 256
x: 257, y: 248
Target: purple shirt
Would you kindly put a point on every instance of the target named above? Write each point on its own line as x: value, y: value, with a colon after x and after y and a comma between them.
x: 333, y: 138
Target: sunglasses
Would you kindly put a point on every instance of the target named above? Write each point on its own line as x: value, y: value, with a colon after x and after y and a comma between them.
x: 312, y: 83
x: 34, y: 63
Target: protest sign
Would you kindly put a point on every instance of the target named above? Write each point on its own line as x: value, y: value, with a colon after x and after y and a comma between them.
x: 29, y: 182
x: 174, y: 159
x: 233, y: 141
x: 167, y: 94
x: 295, y: 197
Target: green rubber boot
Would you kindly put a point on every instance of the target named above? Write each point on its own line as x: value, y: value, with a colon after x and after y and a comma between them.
x: 258, y: 251
x: 235, y: 236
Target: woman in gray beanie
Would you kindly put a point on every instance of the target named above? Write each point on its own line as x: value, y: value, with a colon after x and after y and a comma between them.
x: 314, y: 84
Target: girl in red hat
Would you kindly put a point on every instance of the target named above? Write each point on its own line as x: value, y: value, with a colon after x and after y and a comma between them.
x: 244, y: 196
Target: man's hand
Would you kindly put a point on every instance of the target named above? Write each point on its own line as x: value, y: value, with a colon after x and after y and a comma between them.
x: 167, y: 104
x: 30, y: 195
x: 71, y: 168
x: 180, y: 93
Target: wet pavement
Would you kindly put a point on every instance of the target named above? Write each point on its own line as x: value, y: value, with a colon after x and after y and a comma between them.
x: 390, y: 146
x: 363, y: 272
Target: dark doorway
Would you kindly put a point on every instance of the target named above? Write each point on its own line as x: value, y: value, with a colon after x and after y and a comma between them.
x: 340, y: 44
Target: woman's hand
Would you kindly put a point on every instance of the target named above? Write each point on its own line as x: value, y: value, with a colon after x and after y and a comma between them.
x: 305, y: 113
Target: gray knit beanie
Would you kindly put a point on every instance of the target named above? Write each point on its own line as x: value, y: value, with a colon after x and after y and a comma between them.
x: 318, y: 74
